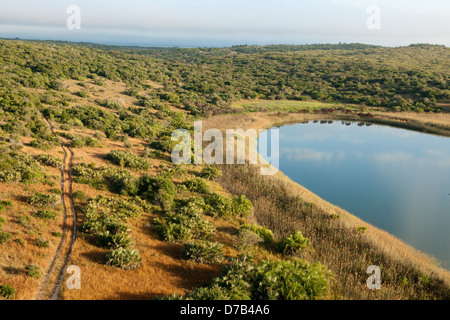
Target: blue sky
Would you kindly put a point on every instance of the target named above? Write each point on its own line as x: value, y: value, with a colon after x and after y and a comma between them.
x: 228, y: 22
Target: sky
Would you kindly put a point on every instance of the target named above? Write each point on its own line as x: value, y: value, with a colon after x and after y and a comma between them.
x: 194, y: 23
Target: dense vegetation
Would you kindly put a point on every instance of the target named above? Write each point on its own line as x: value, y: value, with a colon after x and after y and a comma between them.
x: 207, y: 80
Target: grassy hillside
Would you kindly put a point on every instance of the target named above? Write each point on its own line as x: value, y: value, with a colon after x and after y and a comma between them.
x: 147, y: 228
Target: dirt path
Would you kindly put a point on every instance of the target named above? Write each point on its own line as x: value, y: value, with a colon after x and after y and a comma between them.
x: 55, y: 274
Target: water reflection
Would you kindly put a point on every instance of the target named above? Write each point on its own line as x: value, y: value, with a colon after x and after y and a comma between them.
x: 396, y: 179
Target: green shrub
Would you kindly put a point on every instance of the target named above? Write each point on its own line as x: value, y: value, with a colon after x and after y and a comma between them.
x: 115, y: 240
x: 217, y: 206
x: 214, y: 292
x: 128, y: 159
x: 293, y: 244
x: 126, y: 259
x: 2, y: 221
x: 210, y: 172
x: 79, y: 195
x: 7, y: 292
x: 33, y: 271
x: 42, y: 243
x: 290, y: 280
x: 241, y: 206
x: 197, y: 185
x: 264, y: 233
x: 56, y: 191
x: 45, y: 214
x: 247, y: 237
x: 187, y: 223
x: 57, y: 234
x: 82, y: 94
x: 81, y: 142
x: 4, y: 237
x: 4, y: 204
x: 43, y: 200
x: 49, y: 160
x: 268, y: 280
x: 203, y: 252
x: 42, y: 144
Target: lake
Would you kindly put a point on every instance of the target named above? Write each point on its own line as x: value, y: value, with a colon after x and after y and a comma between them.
x: 394, y: 179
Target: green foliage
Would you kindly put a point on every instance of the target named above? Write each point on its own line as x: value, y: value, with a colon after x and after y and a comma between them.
x: 263, y: 232
x: 7, y: 292
x: 56, y: 191
x: 33, y: 271
x: 197, y: 185
x: 268, y: 280
x: 82, y: 142
x: 4, y: 237
x: 43, y: 200
x: 79, y: 195
x: 214, y: 292
x: 217, y: 206
x: 49, y: 160
x: 41, y: 243
x: 83, y: 94
x: 45, y: 214
x: 361, y: 229
x: 290, y: 280
x: 293, y: 244
x: 203, y: 252
x: 210, y: 172
x: 4, y: 204
x: 17, y: 167
x: 2, y: 221
x: 127, y: 159
x: 241, y: 206
x: 42, y: 144
x: 126, y: 259
x: 185, y: 223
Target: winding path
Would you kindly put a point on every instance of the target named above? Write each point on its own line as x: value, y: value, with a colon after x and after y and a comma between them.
x: 55, y: 275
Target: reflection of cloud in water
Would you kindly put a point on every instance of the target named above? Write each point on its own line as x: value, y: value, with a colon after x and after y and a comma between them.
x: 306, y: 154
x: 403, y: 157
x: 392, y: 157
x: 307, y: 136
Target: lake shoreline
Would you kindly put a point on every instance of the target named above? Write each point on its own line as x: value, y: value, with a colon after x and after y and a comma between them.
x: 386, y: 241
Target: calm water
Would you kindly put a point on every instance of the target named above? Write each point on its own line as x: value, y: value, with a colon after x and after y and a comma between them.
x: 395, y: 179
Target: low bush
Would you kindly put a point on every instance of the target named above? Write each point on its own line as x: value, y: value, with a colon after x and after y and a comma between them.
x: 241, y: 206
x: 262, y: 232
x: 49, y: 160
x: 79, y: 195
x: 43, y: 200
x: 33, y: 271
x: 203, y: 252
x: 56, y: 191
x: 7, y: 292
x: 41, y: 243
x: 4, y: 237
x: 45, y: 214
x: 128, y: 159
x: 82, y: 142
x: 126, y: 259
x: 248, y: 237
x: 215, y: 292
x: 293, y: 244
x: 4, y: 204
x: 210, y: 172
x: 187, y: 223
x: 42, y: 144
x: 198, y: 185
x: 267, y: 280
